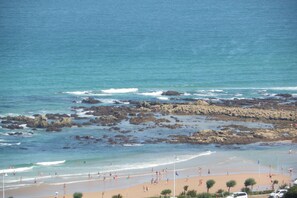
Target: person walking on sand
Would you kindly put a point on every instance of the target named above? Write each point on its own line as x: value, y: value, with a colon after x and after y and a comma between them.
x: 64, y: 189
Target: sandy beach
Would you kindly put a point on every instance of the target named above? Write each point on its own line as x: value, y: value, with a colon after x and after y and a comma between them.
x: 196, y: 183
x: 150, y: 190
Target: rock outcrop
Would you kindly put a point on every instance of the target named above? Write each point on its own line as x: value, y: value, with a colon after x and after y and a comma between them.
x: 171, y: 93
x: 204, y: 109
x: 90, y: 100
x: 226, y: 137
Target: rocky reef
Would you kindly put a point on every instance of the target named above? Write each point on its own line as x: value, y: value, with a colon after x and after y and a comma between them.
x: 282, y: 117
x: 39, y: 121
x: 225, y: 137
x: 203, y: 108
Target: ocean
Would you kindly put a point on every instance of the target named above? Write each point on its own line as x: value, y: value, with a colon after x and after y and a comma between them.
x: 55, y: 53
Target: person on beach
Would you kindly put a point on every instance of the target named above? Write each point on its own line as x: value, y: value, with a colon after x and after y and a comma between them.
x: 208, y: 171
x: 64, y: 190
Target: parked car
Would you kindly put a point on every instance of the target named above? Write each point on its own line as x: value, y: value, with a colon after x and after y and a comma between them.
x: 295, y: 182
x: 238, y: 195
x: 278, y: 194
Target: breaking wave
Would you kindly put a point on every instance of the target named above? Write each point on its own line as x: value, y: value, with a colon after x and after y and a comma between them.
x: 85, y: 93
x: 156, y: 93
x: 16, y: 170
x: 51, y: 163
x: 163, y: 98
x: 121, y: 90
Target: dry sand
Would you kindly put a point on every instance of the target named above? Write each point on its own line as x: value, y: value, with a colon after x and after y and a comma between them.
x: 263, y: 183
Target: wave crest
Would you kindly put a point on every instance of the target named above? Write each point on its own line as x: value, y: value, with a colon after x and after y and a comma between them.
x: 51, y: 163
x: 121, y: 90
x: 16, y: 170
x: 155, y: 93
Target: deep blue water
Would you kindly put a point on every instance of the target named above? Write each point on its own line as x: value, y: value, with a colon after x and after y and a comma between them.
x: 55, y: 52
x: 49, y: 47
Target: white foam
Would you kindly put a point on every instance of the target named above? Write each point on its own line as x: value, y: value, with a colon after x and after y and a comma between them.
x: 163, y: 98
x: 16, y: 170
x: 216, y: 90
x: 156, y: 164
x: 85, y: 93
x: 121, y: 90
x: 84, y: 114
x: 24, y: 126
x: 283, y: 88
x: 108, y: 101
x: 187, y: 94
x: 156, y: 93
x: 9, y: 144
x: 78, y: 92
x: 51, y: 163
x: 262, y: 88
x: 132, y: 145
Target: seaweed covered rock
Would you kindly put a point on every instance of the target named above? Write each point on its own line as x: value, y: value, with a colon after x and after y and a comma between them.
x: 90, y: 100
x: 171, y: 93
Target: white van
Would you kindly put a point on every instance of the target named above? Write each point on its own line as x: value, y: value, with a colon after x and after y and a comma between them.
x: 278, y: 194
x: 238, y: 195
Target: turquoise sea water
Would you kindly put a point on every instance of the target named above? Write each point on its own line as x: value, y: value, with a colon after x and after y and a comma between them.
x: 56, y: 52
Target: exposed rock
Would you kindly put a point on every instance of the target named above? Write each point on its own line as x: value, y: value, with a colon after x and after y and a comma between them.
x: 190, y: 109
x: 144, y: 104
x: 12, y: 126
x: 201, y: 102
x: 56, y: 116
x: 171, y: 93
x: 231, y: 137
x: 39, y: 122
x: 142, y: 118
x: 106, y: 120
x: 90, y: 100
x: 15, y: 133
x: 285, y: 95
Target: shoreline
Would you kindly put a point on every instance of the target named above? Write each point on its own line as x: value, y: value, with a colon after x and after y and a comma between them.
x: 263, y: 182
x: 192, y: 123
x: 125, y: 183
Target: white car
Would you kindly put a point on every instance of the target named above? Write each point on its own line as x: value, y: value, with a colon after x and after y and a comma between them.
x: 238, y: 195
x: 278, y: 194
